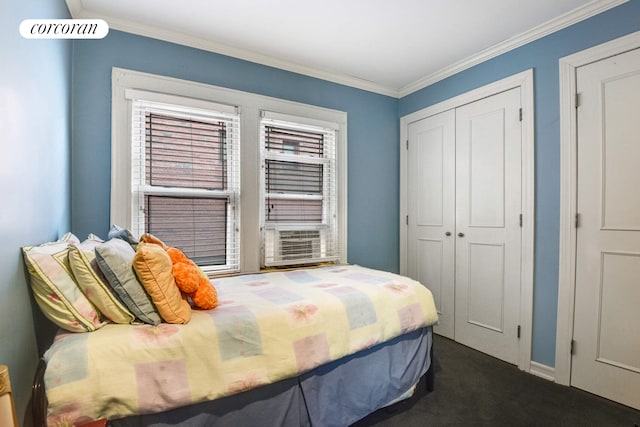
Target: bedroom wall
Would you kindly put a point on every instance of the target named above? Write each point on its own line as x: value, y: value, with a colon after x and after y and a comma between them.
x: 34, y: 174
x: 373, y: 128
x: 373, y: 135
x: 541, y: 55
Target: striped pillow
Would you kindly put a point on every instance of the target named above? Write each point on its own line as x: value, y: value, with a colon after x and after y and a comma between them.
x: 54, y: 287
x: 82, y: 259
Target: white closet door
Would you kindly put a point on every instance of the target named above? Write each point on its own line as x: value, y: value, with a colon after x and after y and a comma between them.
x: 431, y: 210
x: 488, y: 233
x: 606, y: 359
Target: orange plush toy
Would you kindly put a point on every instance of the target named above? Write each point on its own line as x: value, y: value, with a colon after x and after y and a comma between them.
x: 190, y: 279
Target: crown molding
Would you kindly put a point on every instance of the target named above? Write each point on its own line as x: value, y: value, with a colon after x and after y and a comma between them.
x: 595, y: 7
x: 549, y: 27
x: 79, y: 12
x: 75, y: 8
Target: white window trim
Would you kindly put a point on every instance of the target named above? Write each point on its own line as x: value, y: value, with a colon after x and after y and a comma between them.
x: 189, y: 108
x: 327, y: 225
x: 250, y: 106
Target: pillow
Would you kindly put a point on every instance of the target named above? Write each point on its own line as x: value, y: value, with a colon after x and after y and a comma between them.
x: 69, y: 238
x: 150, y: 238
x: 115, y: 260
x: 55, y: 290
x: 122, y: 233
x: 89, y: 278
x: 153, y: 268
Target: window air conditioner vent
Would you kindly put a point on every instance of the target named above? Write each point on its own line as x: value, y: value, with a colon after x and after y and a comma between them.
x: 299, y: 244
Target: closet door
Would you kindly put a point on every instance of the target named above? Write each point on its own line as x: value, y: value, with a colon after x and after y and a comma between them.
x: 488, y: 233
x: 431, y: 211
x: 606, y: 357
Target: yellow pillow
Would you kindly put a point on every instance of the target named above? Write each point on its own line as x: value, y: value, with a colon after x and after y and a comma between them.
x: 55, y: 290
x: 154, y: 270
x: 82, y: 259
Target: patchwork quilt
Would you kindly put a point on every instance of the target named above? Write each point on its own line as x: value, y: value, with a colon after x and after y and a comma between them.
x: 267, y: 327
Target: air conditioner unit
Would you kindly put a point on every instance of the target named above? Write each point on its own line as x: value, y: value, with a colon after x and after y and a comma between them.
x: 298, y: 244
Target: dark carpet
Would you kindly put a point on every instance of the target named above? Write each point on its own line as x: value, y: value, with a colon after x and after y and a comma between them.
x: 474, y: 389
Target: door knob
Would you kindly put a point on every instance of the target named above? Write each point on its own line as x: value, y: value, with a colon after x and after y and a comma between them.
x: 460, y: 234
x: 448, y: 233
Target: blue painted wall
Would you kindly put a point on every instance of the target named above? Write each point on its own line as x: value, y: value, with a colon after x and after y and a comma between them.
x: 373, y: 128
x: 35, y: 79
x: 541, y: 55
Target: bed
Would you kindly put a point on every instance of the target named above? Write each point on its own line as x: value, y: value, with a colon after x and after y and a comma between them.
x: 311, y: 347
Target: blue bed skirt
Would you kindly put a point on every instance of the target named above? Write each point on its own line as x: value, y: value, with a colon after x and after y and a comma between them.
x: 336, y: 394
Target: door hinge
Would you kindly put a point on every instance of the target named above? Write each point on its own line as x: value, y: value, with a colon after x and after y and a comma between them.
x: 520, y: 220
x: 520, y: 114
x: 572, y: 349
x: 407, y: 144
x: 578, y: 99
x: 577, y: 220
x: 407, y: 220
x: 518, y: 331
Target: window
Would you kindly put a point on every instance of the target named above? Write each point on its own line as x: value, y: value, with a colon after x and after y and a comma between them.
x: 299, y: 204
x: 185, y: 179
x: 237, y: 180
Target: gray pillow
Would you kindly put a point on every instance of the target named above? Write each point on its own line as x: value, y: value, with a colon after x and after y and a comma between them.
x: 117, y: 232
x: 115, y: 260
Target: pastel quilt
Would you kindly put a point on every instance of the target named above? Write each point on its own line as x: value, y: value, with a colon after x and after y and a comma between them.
x: 268, y: 327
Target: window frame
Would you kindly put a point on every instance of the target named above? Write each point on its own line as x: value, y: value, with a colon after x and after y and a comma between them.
x: 329, y: 247
x: 250, y: 107
x: 143, y: 102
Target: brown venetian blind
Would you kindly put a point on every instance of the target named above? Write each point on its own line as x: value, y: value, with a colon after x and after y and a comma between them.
x: 197, y: 226
x: 189, y: 180
x: 293, y: 178
x: 187, y: 153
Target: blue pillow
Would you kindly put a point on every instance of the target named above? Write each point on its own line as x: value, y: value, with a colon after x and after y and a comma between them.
x: 115, y: 260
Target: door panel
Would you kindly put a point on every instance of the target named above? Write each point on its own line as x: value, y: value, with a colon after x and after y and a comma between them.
x: 486, y: 286
x: 431, y: 209
x: 621, y: 153
x: 429, y: 148
x: 606, y: 360
x: 619, y: 295
x: 429, y: 270
x: 488, y: 207
x: 486, y: 169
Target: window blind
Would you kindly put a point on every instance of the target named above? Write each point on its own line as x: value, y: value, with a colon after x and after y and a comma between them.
x: 185, y: 153
x: 299, y: 217
x: 195, y: 225
x: 185, y: 174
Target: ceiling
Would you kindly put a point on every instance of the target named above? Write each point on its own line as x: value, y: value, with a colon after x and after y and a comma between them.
x: 389, y: 47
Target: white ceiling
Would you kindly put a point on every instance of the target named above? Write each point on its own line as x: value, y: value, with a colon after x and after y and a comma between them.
x: 393, y: 47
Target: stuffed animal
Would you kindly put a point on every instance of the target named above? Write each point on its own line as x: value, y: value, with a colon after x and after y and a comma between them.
x: 191, y: 280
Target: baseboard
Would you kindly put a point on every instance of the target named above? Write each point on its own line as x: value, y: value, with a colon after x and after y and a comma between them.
x: 542, y: 371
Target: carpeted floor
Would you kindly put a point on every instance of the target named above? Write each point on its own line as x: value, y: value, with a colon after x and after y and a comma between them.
x: 473, y: 389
